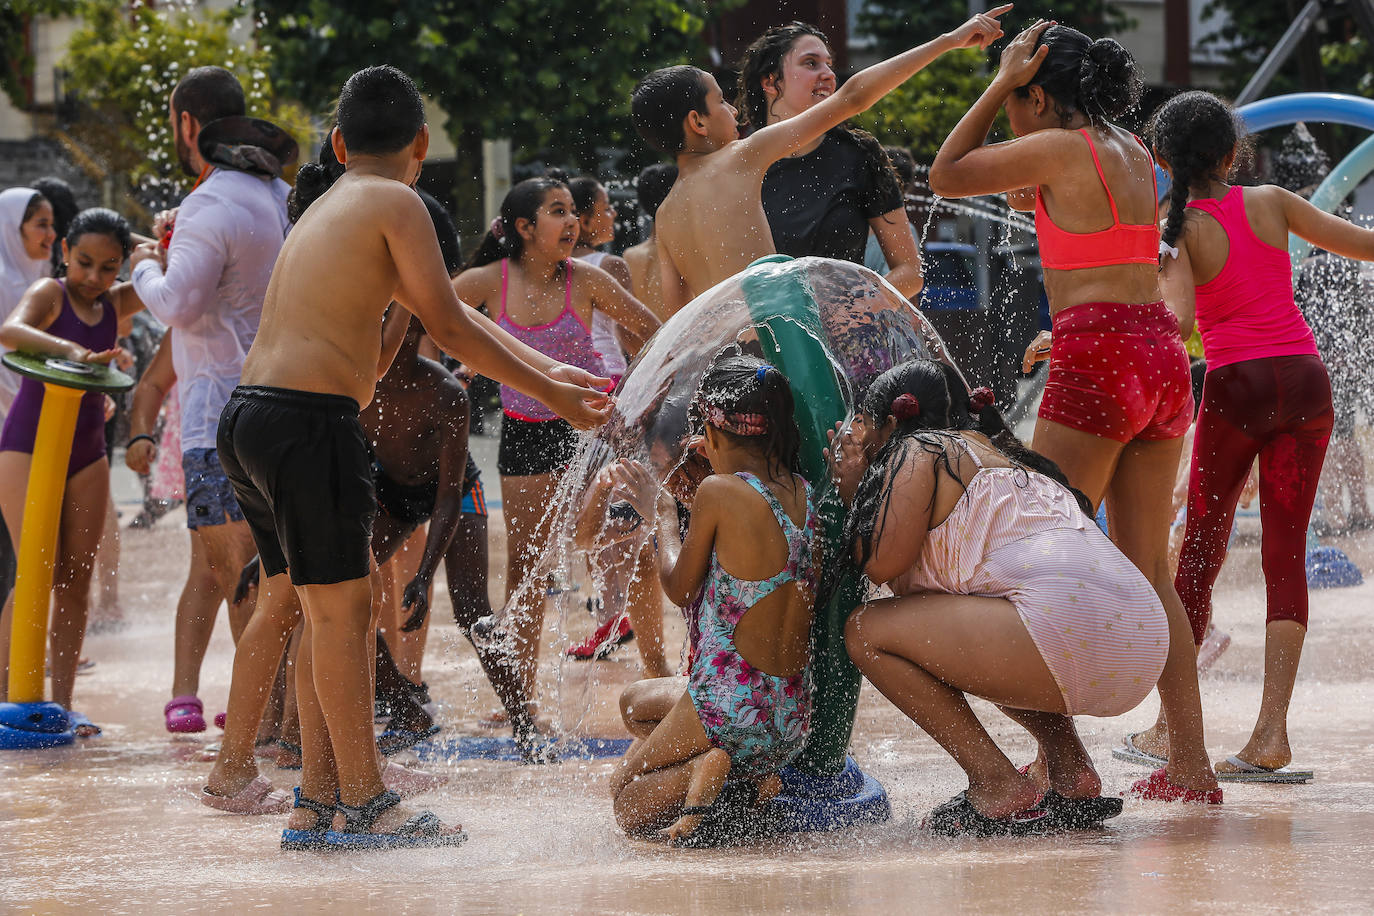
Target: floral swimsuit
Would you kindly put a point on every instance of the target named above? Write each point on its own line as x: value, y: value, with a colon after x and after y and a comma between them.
x: 760, y: 720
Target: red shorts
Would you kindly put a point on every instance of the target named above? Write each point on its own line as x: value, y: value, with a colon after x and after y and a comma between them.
x: 1119, y: 371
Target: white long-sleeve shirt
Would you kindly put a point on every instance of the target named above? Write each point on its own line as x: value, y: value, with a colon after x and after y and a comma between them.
x: 227, y: 236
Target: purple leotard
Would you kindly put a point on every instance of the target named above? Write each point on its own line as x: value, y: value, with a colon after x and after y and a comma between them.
x: 21, y: 426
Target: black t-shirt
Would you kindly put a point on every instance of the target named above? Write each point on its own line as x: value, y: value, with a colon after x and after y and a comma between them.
x: 820, y: 204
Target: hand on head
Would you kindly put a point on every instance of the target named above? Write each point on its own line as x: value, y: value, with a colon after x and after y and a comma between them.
x: 634, y: 482
x: 1021, y: 59
x: 846, y: 457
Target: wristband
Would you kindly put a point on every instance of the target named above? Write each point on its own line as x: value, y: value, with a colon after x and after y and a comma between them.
x: 138, y: 438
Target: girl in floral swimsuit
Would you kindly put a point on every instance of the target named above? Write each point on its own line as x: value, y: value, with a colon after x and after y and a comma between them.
x: 746, y: 574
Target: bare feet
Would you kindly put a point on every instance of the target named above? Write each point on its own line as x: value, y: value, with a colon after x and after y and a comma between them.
x: 1267, y: 754
x: 230, y: 781
x: 1004, y: 798
x: 1154, y: 740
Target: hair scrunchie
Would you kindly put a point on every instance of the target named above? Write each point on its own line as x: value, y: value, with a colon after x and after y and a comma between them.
x: 762, y: 372
x: 906, y: 407
x: 981, y: 398
x: 498, y: 229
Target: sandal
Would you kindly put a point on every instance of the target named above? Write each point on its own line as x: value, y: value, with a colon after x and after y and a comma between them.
x: 1080, y: 813
x: 958, y: 817
x: 395, y: 740
x: 256, y: 798
x: 286, y: 747
x: 729, y: 820
x: 1158, y: 787
x: 184, y: 714
x: 81, y: 725
x: 313, y: 837
x: 424, y: 830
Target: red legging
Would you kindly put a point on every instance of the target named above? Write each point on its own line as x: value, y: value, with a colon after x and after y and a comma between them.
x: 1280, y: 409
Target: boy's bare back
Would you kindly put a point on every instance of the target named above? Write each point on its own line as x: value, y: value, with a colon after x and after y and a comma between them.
x: 711, y: 226
x: 321, y: 325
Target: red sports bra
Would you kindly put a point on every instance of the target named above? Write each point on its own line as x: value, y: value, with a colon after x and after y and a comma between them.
x: 1121, y: 243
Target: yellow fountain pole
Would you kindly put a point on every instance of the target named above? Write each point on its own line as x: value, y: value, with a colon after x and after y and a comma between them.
x: 64, y: 384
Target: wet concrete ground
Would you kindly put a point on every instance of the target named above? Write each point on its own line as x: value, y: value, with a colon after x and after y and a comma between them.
x: 113, y: 824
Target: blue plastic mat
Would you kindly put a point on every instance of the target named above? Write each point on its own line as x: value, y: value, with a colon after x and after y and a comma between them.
x: 1329, y: 567
x: 475, y: 747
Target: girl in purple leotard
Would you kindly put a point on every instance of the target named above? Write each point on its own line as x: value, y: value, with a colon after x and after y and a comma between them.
x: 74, y: 318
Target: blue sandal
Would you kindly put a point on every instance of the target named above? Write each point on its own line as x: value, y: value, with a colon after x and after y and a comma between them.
x: 423, y: 831
x: 315, y: 837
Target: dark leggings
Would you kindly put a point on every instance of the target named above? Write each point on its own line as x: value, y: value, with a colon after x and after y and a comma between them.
x: 1278, y: 408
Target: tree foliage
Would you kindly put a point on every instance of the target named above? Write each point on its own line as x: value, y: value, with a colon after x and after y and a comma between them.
x: 923, y: 111
x: 1250, y: 29
x: 900, y: 24
x: 16, y: 63
x: 553, y: 75
x: 121, y: 66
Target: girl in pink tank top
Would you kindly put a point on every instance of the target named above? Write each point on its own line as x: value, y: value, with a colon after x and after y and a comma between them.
x: 524, y: 275
x: 1266, y: 393
x: 991, y: 555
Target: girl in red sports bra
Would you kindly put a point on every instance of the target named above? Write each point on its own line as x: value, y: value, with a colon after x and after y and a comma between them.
x: 525, y: 275
x: 1118, y: 399
x: 1266, y: 394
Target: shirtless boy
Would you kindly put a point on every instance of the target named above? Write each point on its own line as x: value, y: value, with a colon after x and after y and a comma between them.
x: 645, y: 276
x: 291, y: 443
x: 712, y: 224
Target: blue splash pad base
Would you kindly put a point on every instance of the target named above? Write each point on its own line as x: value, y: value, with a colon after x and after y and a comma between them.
x: 1329, y: 567
x: 808, y: 803
x: 476, y: 747
x: 30, y: 726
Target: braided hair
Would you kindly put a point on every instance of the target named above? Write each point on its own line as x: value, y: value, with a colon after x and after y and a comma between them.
x: 1194, y: 133
x: 931, y: 404
x: 750, y: 403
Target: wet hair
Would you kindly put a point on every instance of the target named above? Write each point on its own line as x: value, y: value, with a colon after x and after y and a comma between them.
x: 662, y: 101
x: 521, y: 202
x: 1197, y: 372
x: 64, y: 205
x: 36, y: 201
x: 312, y: 180
x: 380, y: 111
x: 653, y: 185
x: 743, y: 386
x: 208, y: 94
x: 942, y: 408
x: 100, y: 221
x: 904, y: 165
x: 449, y: 244
x: 1098, y: 78
x: 584, y: 189
x: 1194, y: 132
x: 762, y: 59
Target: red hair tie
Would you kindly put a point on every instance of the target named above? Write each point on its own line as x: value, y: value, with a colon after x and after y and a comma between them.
x: 498, y: 229
x: 906, y: 407
x: 981, y: 398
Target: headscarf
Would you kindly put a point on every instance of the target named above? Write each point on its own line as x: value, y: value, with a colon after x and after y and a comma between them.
x: 18, y: 271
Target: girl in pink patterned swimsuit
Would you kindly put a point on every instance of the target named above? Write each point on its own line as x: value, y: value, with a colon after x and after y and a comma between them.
x: 1005, y: 589
x: 746, y: 577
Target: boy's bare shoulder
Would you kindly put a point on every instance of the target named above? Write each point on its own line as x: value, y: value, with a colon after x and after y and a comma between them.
x: 378, y: 198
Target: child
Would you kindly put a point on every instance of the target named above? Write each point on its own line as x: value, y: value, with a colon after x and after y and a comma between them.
x: 1117, y: 401
x: 643, y: 259
x: 315, y: 361
x: 524, y: 274
x: 746, y: 575
x: 1266, y: 392
x: 74, y: 318
x: 713, y: 224
x: 991, y: 555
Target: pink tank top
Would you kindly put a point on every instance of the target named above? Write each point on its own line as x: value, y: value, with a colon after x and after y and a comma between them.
x: 1247, y: 310
x: 565, y: 339
x: 999, y: 506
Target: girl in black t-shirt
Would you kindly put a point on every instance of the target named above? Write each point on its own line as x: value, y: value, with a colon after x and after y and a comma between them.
x: 824, y: 199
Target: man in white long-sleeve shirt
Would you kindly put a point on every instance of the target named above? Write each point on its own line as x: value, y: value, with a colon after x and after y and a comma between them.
x: 208, y: 289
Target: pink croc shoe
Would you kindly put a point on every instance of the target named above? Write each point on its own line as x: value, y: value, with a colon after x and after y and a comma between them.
x: 1158, y: 787
x: 407, y: 782
x: 185, y: 714
x: 257, y: 797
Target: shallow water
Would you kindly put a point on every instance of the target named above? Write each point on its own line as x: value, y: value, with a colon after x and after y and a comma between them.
x: 113, y: 824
